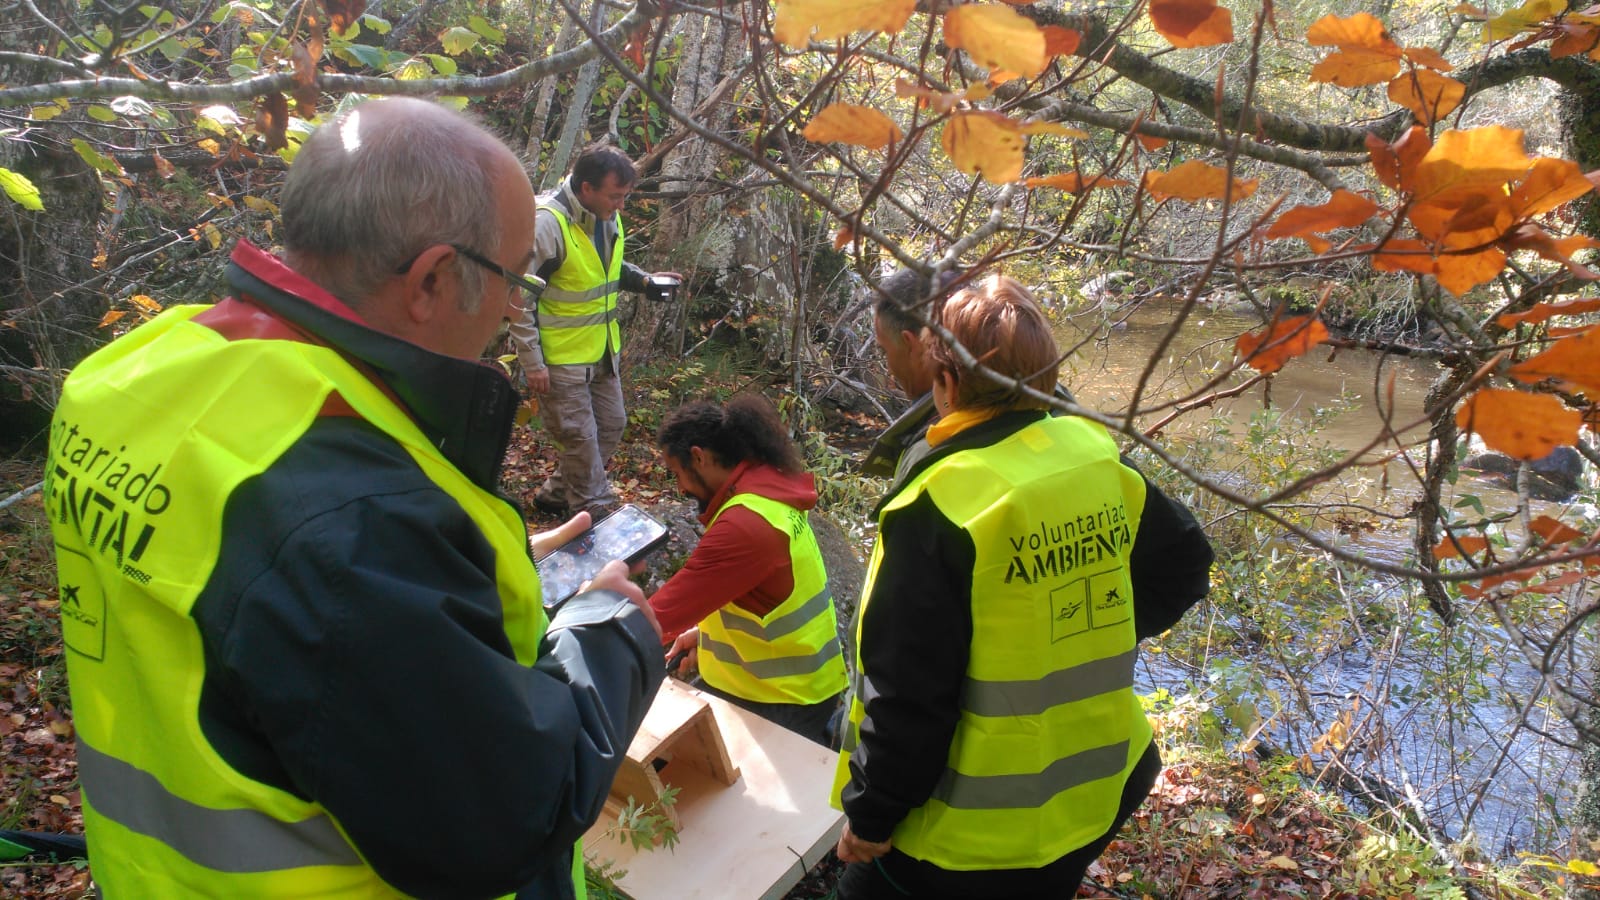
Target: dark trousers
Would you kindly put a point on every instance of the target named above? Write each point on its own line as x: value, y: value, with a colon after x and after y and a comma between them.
x: 811, y: 721
x: 897, y: 876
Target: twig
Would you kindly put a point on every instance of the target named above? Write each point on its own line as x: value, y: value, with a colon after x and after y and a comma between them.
x: 19, y: 495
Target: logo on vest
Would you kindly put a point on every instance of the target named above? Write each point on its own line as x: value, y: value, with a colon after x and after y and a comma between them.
x: 1097, y: 601
x: 83, y: 604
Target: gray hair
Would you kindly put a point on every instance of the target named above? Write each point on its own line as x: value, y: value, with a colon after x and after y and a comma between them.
x: 374, y: 187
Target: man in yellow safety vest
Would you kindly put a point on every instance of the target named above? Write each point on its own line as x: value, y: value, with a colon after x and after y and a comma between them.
x: 304, y: 635
x: 570, y: 344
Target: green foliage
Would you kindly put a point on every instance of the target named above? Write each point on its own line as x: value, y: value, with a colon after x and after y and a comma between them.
x: 20, y: 189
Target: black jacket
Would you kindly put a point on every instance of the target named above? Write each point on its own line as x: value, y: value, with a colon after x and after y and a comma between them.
x: 355, y: 651
x: 916, y: 645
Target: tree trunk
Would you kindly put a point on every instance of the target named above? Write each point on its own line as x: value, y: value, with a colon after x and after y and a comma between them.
x: 577, y: 118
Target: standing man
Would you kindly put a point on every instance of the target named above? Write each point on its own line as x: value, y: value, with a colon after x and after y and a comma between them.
x: 306, y: 647
x: 570, y: 343
x: 752, y: 600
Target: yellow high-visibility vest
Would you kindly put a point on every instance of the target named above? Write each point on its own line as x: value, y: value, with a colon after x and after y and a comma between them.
x: 1050, y: 726
x: 578, y: 309
x: 792, y: 654
x: 152, y: 435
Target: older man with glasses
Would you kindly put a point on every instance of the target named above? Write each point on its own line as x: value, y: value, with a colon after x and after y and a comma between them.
x: 305, y: 641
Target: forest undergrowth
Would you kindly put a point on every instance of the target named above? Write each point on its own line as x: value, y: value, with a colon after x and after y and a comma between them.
x: 1222, y: 821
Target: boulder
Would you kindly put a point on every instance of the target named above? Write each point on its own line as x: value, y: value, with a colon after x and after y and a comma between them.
x: 1556, y: 477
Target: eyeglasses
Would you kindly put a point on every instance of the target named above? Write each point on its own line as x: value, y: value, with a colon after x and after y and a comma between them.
x: 533, y: 284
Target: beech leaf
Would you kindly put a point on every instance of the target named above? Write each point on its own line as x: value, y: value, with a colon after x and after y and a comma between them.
x: 1345, y: 209
x: 846, y: 123
x: 1519, y: 424
x: 1195, y: 180
x: 1543, y: 312
x: 1059, y: 41
x: 985, y: 143
x: 1572, y: 361
x: 1073, y: 182
x: 1192, y: 23
x: 996, y: 37
x: 1268, y: 349
x: 1429, y: 95
x: 796, y: 20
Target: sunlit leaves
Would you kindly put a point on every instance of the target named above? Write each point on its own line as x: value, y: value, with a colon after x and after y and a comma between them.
x: 96, y: 160
x: 1429, y: 95
x: 1572, y: 362
x: 846, y: 123
x: 1345, y: 209
x: 1073, y: 182
x: 457, y: 40
x: 1550, y: 183
x: 1192, y: 23
x: 985, y: 143
x: 1513, y: 21
x: 1519, y: 424
x: 1268, y: 349
x: 1195, y: 180
x: 796, y: 20
x: 996, y: 37
x: 1365, y: 55
x: 1543, y: 312
x: 20, y: 189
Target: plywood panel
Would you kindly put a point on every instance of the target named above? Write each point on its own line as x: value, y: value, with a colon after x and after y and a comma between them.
x: 753, y: 839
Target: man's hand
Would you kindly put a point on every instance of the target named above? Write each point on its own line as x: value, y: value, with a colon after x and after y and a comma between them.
x: 547, y: 542
x: 614, y: 577
x: 687, y: 644
x: 538, y: 380
x: 852, y: 849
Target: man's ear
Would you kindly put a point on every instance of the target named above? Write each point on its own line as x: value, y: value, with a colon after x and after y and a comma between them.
x: 431, y: 284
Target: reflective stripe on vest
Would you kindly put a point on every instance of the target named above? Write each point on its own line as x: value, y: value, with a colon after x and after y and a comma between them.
x: 578, y: 309
x: 152, y: 435
x: 1049, y: 725
x: 792, y: 655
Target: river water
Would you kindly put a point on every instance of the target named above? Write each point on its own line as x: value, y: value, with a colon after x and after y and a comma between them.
x: 1456, y: 743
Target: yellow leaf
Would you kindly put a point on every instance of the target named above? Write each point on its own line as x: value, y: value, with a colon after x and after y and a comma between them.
x: 1519, y: 424
x: 1514, y: 21
x: 1284, y: 863
x: 110, y: 316
x: 829, y: 19
x: 44, y: 113
x: 143, y: 301
x: 260, y: 205
x: 1195, y: 180
x: 1582, y: 867
x: 985, y: 143
x: 996, y: 37
x: 210, y: 146
x: 1055, y: 128
x: 846, y: 123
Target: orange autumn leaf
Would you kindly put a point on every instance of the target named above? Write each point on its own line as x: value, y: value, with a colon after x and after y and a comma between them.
x: 1150, y: 142
x: 1396, y: 163
x: 1195, y: 180
x: 1429, y: 95
x: 940, y: 102
x: 985, y: 143
x: 1575, y: 39
x: 1573, y: 361
x: 1267, y: 350
x: 1060, y: 41
x: 846, y: 123
x: 1461, y: 272
x: 1469, y: 221
x: 1344, y: 209
x: 1549, y: 184
x: 796, y: 20
x: 1429, y: 57
x: 1544, y: 312
x: 1531, y: 237
x: 1473, y: 592
x: 1073, y: 182
x: 1463, y: 546
x: 1466, y: 162
x: 1192, y: 23
x: 843, y: 238
x: 1365, y: 55
x: 996, y: 37
x: 1519, y: 424
x: 1554, y: 531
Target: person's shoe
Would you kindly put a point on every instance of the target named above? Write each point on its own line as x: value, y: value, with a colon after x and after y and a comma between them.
x: 598, y: 511
x: 549, y: 505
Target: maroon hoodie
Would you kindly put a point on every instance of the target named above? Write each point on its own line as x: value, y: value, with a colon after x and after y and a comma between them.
x: 741, y: 559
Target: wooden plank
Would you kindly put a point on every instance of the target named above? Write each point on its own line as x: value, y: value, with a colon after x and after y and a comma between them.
x: 754, y: 839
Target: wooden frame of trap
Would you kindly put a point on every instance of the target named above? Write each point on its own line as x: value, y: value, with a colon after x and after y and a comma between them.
x: 752, y: 810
